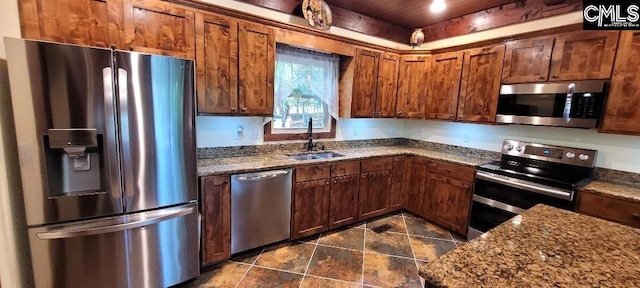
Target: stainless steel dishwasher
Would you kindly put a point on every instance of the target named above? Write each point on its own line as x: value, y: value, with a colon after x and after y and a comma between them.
x: 260, y: 209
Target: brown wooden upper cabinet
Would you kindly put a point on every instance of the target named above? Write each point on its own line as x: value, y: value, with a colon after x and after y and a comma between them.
x: 622, y: 113
x: 215, y: 195
x: 217, y: 63
x: 365, y: 83
x: 480, y: 84
x: 159, y: 27
x: 225, y: 44
x: 527, y: 60
x: 581, y: 55
x: 412, y: 86
x: 444, y: 85
x: 81, y: 22
x: 375, y: 83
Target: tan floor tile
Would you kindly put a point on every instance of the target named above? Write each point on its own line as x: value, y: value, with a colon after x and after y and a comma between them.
x: 315, y: 282
x: 388, y: 243
x: 336, y: 263
x: 224, y: 275
x: 387, y: 224
x: 290, y: 256
x: 421, y: 227
x: 262, y: 278
x: 388, y: 271
x: 429, y: 249
x: 352, y: 238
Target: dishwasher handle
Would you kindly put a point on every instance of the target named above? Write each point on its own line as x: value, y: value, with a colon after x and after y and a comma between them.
x: 261, y: 175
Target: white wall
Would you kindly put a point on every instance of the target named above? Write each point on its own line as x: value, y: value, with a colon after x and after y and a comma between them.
x: 14, y: 271
x: 618, y: 152
x: 214, y: 131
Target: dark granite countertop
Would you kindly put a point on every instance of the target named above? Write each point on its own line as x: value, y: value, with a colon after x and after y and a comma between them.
x: 624, y: 192
x: 543, y: 247
x: 232, y: 165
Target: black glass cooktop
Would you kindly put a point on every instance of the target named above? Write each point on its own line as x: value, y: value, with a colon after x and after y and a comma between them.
x: 552, y: 174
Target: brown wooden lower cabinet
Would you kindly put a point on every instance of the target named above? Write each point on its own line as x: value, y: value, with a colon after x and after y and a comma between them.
x: 448, y: 202
x: 415, y: 184
x: 310, y: 208
x: 609, y: 208
x: 396, y: 201
x: 343, y: 201
x: 215, y: 203
x: 375, y: 190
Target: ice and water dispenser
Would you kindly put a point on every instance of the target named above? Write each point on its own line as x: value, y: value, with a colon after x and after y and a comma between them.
x: 75, y: 165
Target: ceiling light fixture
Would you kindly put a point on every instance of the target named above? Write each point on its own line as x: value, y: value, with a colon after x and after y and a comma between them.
x: 438, y: 6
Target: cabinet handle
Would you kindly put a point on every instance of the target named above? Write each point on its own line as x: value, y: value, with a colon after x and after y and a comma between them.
x: 327, y: 182
x: 554, y: 76
x: 636, y: 216
x: 335, y: 181
x: 130, y: 48
x: 244, y: 109
x: 399, y: 113
x: 233, y: 109
x: 451, y: 116
x: 541, y: 78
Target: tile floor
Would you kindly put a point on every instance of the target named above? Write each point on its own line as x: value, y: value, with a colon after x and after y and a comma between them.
x: 384, y: 252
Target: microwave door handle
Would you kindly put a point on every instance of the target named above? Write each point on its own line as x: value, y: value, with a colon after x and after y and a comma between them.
x: 567, y: 104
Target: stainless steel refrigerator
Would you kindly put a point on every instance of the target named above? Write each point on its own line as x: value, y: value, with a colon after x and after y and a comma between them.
x: 107, y: 155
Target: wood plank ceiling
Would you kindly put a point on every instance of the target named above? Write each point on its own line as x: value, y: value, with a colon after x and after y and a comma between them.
x: 396, y: 19
x: 415, y: 13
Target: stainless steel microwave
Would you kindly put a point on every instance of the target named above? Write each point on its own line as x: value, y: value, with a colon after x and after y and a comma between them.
x: 576, y: 104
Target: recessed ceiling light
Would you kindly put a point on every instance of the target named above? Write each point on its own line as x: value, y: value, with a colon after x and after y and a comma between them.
x: 438, y: 6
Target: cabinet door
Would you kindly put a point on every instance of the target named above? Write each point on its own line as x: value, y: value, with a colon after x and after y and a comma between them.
x: 527, y: 60
x: 398, y: 183
x: 159, y: 27
x: 444, y: 85
x: 217, y: 64
x: 584, y: 55
x: 365, y: 84
x: 412, y: 86
x: 310, y: 208
x: 343, y: 201
x: 622, y: 114
x: 387, y: 85
x: 215, y: 209
x: 480, y: 85
x: 415, y: 181
x: 612, y: 209
x: 448, y: 202
x: 80, y: 22
x: 257, y: 67
x: 375, y: 190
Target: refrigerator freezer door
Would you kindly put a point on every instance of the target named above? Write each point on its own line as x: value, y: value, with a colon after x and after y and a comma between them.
x: 150, y: 249
x: 64, y: 114
x: 156, y: 100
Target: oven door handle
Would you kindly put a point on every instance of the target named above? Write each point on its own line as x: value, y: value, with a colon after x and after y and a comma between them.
x: 498, y: 204
x: 525, y: 185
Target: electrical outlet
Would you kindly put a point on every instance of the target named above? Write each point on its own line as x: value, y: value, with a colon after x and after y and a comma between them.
x: 391, y: 130
x: 239, y: 132
x: 355, y: 131
x: 420, y: 131
x: 467, y: 138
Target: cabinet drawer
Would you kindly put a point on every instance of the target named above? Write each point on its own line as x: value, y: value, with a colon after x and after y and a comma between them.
x: 377, y: 164
x: 345, y: 168
x: 617, y: 210
x: 308, y: 173
x: 455, y: 171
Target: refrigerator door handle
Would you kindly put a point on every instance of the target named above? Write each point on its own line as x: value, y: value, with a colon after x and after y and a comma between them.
x: 112, y: 134
x: 71, y: 232
x: 123, y: 92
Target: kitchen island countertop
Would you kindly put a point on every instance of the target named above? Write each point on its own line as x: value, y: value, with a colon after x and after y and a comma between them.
x: 543, y: 247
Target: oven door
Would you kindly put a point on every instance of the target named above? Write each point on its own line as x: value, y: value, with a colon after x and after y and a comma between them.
x: 499, y: 198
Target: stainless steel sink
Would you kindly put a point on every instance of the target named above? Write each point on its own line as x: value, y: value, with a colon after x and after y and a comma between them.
x: 315, y: 155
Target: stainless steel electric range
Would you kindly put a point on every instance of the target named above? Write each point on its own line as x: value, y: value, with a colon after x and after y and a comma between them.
x: 527, y: 174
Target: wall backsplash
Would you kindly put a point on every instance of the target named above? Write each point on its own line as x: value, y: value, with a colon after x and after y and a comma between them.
x: 215, y: 131
x: 619, y: 152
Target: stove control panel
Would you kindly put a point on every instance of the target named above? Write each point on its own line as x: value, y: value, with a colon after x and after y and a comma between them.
x: 558, y: 154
